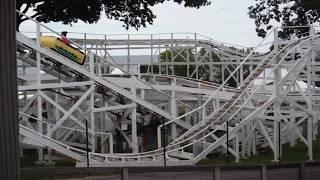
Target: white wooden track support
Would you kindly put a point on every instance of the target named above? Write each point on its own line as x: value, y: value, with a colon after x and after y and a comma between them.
x: 61, y: 59
x: 269, y: 103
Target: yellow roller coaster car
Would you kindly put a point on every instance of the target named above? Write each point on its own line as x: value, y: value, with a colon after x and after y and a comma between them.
x: 64, y: 49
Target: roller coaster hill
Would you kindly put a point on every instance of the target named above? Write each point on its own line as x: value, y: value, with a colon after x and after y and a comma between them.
x: 73, y: 99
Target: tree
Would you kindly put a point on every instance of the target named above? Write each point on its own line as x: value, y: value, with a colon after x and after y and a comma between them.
x: 167, y: 56
x: 133, y: 13
x: 179, y: 55
x: 179, y: 70
x: 287, y: 13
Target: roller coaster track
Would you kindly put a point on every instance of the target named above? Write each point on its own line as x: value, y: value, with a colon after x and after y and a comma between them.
x: 213, y: 131
x: 61, y: 59
x: 217, y: 120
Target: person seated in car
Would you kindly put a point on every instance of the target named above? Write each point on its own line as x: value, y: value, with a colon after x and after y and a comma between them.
x: 64, y: 38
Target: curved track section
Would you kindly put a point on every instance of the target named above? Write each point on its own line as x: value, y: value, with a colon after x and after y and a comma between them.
x: 59, y: 98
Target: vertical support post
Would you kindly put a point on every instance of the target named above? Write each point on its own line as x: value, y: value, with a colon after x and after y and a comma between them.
x: 87, y: 144
x: 249, y: 143
x: 251, y: 68
x: 276, y: 106
x: 310, y: 108
x: 91, y: 62
x: 243, y: 144
x: 139, y: 71
x: 128, y: 57
x: 254, y: 148
x: 56, y: 110
x: 9, y: 129
x: 311, y: 30
x: 203, y: 114
x: 313, y: 84
x: 279, y: 141
x: 276, y: 39
x: 142, y: 93
x: 222, y: 71
x: 198, y: 115
x: 188, y: 62
x: 111, y: 144
x: 159, y: 134
x: 173, y: 109
x: 276, y: 141
x: 241, y: 74
x: 103, y: 124
x: 85, y: 43
x: 211, y: 66
x: 135, y: 147
x: 105, y: 48
x: 315, y: 127
x: 39, y: 99
x: 167, y: 61
x: 151, y: 58
x: 188, y: 118
x: 51, y: 118
x: 292, y: 133
x: 237, y: 147
x: 39, y: 125
x: 158, y: 59
x: 227, y: 143
x: 310, y: 138
x: 92, y: 123
x: 196, y: 57
x: 172, y: 60
x: 164, y: 144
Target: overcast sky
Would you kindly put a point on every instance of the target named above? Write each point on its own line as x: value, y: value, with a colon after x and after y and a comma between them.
x: 223, y: 20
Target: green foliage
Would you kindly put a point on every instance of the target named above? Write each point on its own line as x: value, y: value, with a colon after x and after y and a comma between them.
x: 290, y: 154
x: 181, y: 55
x: 132, y: 13
x: 179, y: 70
x: 285, y: 12
x: 318, y: 56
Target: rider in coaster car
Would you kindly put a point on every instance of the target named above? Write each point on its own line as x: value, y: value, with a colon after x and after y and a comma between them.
x: 64, y: 38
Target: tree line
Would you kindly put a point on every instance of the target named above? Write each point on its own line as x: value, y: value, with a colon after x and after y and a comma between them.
x: 138, y: 13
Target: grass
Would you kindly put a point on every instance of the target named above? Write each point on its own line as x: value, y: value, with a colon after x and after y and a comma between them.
x: 290, y: 154
x: 295, y: 154
x: 30, y: 157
